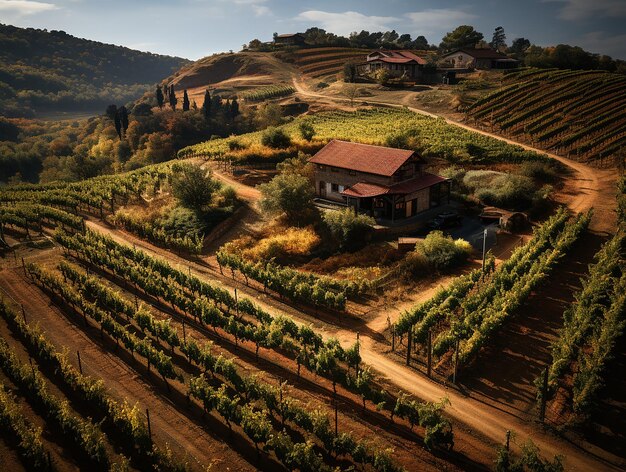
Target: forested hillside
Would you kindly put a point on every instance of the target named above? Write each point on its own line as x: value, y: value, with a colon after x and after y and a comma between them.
x: 51, y: 70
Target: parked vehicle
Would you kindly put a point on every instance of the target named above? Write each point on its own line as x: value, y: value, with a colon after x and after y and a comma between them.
x: 446, y: 220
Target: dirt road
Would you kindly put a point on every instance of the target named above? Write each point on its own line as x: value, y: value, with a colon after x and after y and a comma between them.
x: 586, y: 187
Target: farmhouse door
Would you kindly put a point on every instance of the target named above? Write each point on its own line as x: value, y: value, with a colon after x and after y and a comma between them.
x: 322, y: 188
x: 409, y: 208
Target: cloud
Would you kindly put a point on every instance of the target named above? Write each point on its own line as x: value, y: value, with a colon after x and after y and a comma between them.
x: 257, y: 6
x: 436, y: 19
x: 602, y: 43
x: 574, y: 10
x: 346, y: 22
x: 24, y: 7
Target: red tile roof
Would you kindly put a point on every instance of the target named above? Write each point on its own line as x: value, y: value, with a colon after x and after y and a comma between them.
x: 367, y: 158
x: 364, y: 189
x: 396, y: 57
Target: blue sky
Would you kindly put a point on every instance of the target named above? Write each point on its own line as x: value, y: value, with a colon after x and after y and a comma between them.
x: 196, y: 28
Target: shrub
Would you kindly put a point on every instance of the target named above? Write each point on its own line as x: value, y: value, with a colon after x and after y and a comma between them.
x: 442, y: 252
x: 349, y: 230
x: 542, y: 171
x: 291, y: 194
x: 192, y: 186
x: 508, y: 191
x: 292, y: 242
x: 306, y: 130
x: 236, y: 145
x: 275, y: 138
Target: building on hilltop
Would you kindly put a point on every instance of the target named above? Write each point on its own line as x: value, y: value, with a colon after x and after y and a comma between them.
x: 479, y: 58
x: 397, y: 63
x: 290, y: 39
x: 386, y: 183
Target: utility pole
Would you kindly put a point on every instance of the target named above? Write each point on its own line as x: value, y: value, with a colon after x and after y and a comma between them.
x: 544, y: 395
x: 408, y: 346
x: 456, y: 361
x: 430, y: 352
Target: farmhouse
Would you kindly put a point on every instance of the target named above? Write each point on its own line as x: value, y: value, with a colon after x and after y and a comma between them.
x: 291, y: 39
x: 397, y: 63
x: 386, y: 183
x: 479, y: 58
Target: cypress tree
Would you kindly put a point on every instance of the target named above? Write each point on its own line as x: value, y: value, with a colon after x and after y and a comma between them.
x: 159, y: 97
x: 118, y: 124
x: 123, y: 119
x: 173, y: 100
x: 234, y: 108
x: 185, y: 101
x: 206, y: 106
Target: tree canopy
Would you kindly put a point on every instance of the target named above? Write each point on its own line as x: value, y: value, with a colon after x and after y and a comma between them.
x: 462, y: 37
x: 192, y: 186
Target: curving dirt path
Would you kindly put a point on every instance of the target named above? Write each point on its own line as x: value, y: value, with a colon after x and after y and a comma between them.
x: 586, y: 187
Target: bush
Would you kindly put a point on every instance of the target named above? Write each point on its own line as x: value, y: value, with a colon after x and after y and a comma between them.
x: 291, y: 194
x: 292, y: 242
x: 515, y: 192
x: 306, y: 130
x: 276, y: 138
x: 349, y: 230
x: 192, y: 186
x: 542, y: 171
x: 442, y: 252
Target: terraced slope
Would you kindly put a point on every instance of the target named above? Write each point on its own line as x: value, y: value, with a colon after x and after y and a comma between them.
x: 320, y: 62
x: 578, y: 114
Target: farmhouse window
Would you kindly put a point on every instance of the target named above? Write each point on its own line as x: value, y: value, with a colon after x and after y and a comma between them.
x: 400, y: 205
x: 379, y: 203
x: 334, y: 187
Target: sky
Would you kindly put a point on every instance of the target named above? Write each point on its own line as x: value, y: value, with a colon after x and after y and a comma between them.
x: 197, y: 28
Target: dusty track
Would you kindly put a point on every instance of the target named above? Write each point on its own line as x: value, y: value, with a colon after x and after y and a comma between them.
x: 587, y: 187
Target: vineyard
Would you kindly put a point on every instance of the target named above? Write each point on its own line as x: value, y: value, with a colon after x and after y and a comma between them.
x: 31, y: 209
x: 578, y: 114
x: 155, y: 331
x: 462, y: 318
x: 593, y: 328
x: 321, y: 62
x: 265, y: 93
x: 431, y: 137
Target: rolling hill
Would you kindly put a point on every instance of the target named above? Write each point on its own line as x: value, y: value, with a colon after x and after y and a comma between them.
x: 53, y: 71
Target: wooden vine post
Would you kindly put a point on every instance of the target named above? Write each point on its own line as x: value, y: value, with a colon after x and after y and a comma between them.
x: 409, y: 338
x: 430, y: 352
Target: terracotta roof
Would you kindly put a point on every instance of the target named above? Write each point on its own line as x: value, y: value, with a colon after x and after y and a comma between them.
x: 396, y: 56
x: 367, y: 158
x: 364, y: 189
x: 480, y: 53
x: 418, y: 183
x: 394, y: 60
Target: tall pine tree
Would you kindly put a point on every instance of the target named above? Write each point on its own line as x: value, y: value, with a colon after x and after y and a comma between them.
x: 185, y: 101
x: 123, y: 119
x: 234, y: 108
x: 206, y: 106
x: 499, y: 38
x: 173, y: 100
x: 159, y: 97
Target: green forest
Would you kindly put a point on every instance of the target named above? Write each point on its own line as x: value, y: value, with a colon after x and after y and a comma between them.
x: 44, y: 70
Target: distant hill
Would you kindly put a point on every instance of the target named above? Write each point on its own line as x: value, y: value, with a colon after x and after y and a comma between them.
x: 53, y: 71
x: 579, y: 114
